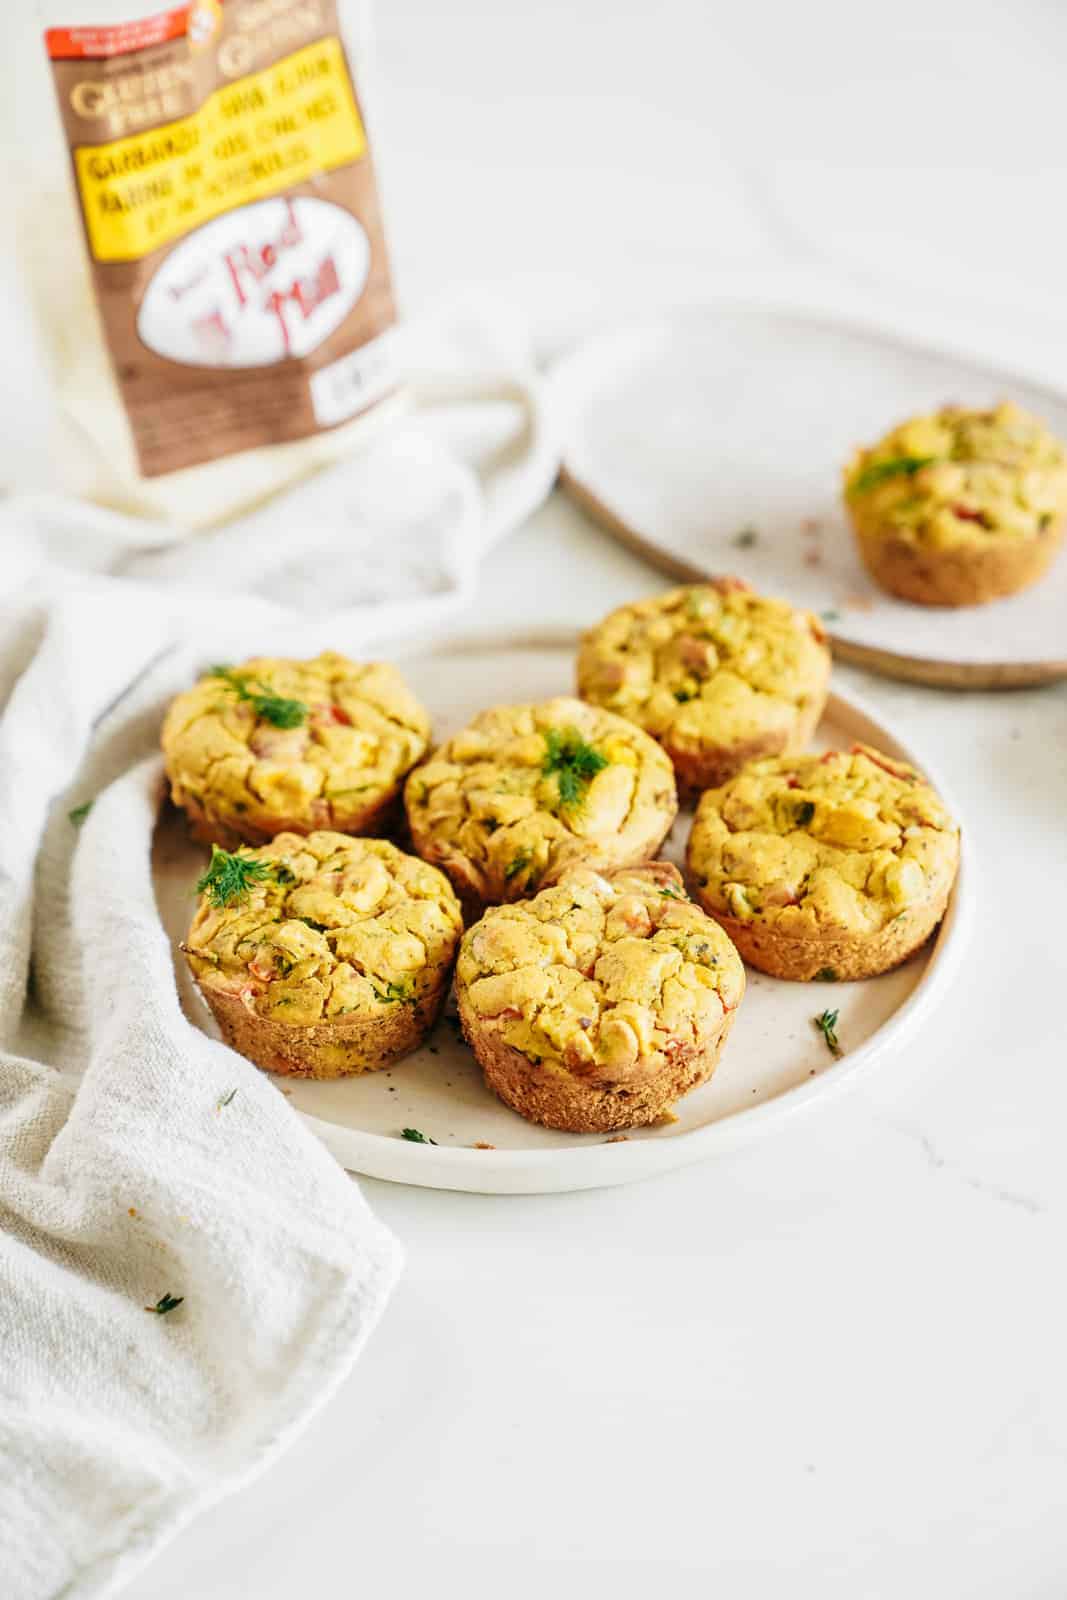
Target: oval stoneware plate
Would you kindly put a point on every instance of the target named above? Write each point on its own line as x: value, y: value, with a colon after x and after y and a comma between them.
x: 712, y: 442
x: 775, y: 1063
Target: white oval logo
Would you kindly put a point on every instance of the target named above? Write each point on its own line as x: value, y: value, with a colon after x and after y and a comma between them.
x: 259, y: 285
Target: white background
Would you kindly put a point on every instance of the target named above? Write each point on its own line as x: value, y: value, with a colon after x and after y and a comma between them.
x: 831, y: 1365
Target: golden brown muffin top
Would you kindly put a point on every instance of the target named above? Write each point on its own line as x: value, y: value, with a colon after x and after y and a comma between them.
x: 526, y: 791
x: 711, y: 665
x: 304, y: 744
x: 310, y: 928
x: 602, y: 977
x: 959, y: 477
x: 844, y: 841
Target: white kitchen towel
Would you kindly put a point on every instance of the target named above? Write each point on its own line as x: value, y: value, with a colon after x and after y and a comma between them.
x: 141, y: 1163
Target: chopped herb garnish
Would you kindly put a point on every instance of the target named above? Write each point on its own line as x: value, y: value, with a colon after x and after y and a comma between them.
x: 309, y: 922
x: 227, y: 1100
x: 827, y: 1026
x: 284, y: 875
x: 746, y: 538
x: 1044, y: 521
x: 682, y: 695
x: 879, y: 471
x: 168, y: 1302
x: 803, y: 813
x: 276, y: 709
x: 229, y: 877
x: 517, y: 864
x: 574, y: 763
x: 79, y: 814
x: 826, y: 975
x: 671, y: 894
x: 830, y: 616
x: 413, y: 1136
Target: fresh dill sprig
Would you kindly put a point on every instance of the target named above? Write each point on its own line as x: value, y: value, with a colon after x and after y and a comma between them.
x: 826, y: 1023
x: 879, y: 471
x: 79, y: 814
x: 574, y: 763
x: 229, y: 877
x: 167, y: 1302
x: 225, y: 1100
x: 277, y: 709
x: 413, y: 1136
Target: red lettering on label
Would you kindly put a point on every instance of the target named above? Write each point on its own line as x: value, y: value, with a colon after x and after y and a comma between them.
x: 304, y: 295
x: 244, y: 264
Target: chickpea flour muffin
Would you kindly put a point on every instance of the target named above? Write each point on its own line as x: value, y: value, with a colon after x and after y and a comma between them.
x: 598, y: 1003
x: 275, y: 745
x: 831, y: 866
x: 527, y: 791
x: 322, y: 955
x: 718, y: 674
x: 959, y: 507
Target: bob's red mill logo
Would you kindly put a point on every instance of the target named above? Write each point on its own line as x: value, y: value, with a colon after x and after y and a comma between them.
x: 241, y: 37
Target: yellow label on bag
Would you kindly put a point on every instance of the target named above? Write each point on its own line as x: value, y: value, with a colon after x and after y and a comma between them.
x: 251, y: 139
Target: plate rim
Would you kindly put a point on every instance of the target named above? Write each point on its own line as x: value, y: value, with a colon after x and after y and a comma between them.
x: 563, y: 386
x: 464, y: 1169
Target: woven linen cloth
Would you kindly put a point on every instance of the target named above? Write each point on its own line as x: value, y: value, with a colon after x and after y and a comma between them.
x: 140, y: 1159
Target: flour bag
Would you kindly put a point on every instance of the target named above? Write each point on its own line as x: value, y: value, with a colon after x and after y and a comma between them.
x: 201, y: 237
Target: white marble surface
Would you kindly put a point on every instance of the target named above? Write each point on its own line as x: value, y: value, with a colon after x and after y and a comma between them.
x: 831, y: 1365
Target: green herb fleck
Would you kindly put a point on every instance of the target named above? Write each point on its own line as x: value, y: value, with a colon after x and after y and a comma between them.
x: 803, y: 813
x: 879, y: 471
x: 682, y: 695
x: 826, y: 975
x: 830, y: 616
x: 229, y: 877
x: 168, y: 1302
x: 276, y: 709
x: 827, y: 1026
x: 319, y: 927
x: 1044, y: 521
x: 517, y: 864
x: 395, y: 991
x: 413, y: 1136
x: 671, y: 894
x: 227, y: 1100
x: 284, y: 875
x: 574, y: 763
x: 79, y: 814
x: 746, y: 538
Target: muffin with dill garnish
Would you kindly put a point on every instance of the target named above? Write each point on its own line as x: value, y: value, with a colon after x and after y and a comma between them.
x: 961, y: 506
x: 271, y: 745
x: 527, y: 791
x: 715, y: 672
x: 322, y: 955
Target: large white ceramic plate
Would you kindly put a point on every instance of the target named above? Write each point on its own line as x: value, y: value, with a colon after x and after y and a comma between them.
x: 775, y: 1062
x: 682, y: 433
